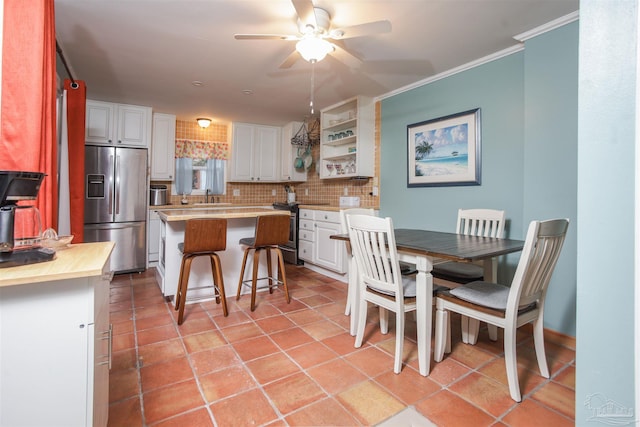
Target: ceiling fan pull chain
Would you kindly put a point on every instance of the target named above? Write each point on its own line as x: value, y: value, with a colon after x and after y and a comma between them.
x: 313, y: 68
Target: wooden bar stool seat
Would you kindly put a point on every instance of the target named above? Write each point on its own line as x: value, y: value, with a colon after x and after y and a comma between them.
x: 202, y: 237
x: 271, y: 231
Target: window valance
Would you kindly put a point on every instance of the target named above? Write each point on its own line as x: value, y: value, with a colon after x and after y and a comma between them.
x: 187, y: 148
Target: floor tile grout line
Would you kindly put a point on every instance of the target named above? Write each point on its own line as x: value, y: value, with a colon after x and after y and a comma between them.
x: 333, y: 318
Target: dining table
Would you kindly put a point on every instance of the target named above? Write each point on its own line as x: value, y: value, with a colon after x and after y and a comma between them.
x: 426, y: 248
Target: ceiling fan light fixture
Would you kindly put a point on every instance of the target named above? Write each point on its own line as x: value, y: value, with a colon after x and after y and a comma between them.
x: 203, y: 122
x: 313, y: 49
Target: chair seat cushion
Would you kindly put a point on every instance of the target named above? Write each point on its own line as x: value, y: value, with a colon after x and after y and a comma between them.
x: 458, y: 270
x: 408, y: 286
x: 492, y: 295
x: 407, y: 269
x: 248, y: 241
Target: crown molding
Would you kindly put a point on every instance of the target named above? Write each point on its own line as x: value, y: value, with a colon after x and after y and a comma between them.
x: 469, y: 65
x: 549, y: 26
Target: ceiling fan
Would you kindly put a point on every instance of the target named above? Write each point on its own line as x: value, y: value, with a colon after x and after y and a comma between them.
x: 317, y: 38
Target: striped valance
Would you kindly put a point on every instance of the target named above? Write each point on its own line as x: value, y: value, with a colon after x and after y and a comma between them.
x: 201, y: 149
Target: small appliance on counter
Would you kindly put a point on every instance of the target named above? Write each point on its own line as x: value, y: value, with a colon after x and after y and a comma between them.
x: 157, y: 195
x: 20, y: 227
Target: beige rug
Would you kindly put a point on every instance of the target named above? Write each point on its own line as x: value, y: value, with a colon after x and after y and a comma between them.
x: 407, y: 418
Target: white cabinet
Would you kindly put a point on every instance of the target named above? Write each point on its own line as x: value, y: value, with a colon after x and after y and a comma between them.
x: 55, y: 351
x: 255, y: 153
x: 315, y: 244
x: 163, y: 147
x: 306, y: 235
x: 288, y: 154
x: 121, y: 124
x: 153, y: 238
x: 347, y: 139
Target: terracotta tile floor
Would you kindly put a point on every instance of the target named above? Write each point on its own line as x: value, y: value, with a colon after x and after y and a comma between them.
x: 295, y: 364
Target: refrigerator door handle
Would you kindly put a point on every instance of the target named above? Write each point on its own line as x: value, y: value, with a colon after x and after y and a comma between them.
x: 111, y: 187
x: 117, y: 185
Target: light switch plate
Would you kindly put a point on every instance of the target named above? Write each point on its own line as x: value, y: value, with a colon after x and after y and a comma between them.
x: 236, y: 192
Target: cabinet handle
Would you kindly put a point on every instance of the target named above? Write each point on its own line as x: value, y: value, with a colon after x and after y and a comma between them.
x: 109, y: 337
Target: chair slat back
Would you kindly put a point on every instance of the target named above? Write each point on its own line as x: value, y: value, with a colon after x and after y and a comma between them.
x: 481, y: 222
x: 205, y: 235
x: 539, y: 257
x: 272, y: 230
x: 373, y: 246
x: 352, y: 211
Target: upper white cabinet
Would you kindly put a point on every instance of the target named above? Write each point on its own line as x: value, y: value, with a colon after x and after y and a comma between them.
x: 118, y: 124
x: 347, y: 141
x: 255, y: 153
x: 163, y: 147
x: 288, y: 154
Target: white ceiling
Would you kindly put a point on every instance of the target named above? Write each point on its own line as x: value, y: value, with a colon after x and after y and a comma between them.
x: 148, y: 52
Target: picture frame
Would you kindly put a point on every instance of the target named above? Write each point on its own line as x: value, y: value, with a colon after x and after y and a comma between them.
x: 445, y: 151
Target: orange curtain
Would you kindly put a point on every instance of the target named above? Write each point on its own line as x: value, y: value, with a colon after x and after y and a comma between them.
x: 28, y: 127
x: 76, y: 106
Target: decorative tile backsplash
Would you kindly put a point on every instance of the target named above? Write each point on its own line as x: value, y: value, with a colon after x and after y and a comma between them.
x: 314, y: 190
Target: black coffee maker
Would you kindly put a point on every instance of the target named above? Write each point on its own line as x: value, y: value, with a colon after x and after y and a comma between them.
x: 23, y: 248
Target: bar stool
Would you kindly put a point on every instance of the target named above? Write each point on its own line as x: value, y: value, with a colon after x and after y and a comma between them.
x: 271, y: 231
x: 202, y: 237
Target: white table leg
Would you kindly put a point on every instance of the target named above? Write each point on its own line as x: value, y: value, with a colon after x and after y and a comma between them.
x: 424, y: 306
x: 490, y: 274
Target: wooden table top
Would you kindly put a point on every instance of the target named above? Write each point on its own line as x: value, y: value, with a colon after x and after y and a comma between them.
x: 451, y: 246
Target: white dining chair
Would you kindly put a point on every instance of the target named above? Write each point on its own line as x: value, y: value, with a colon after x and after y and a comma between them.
x: 351, y: 309
x: 509, y: 307
x: 379, y: 279
x: 472, y: 222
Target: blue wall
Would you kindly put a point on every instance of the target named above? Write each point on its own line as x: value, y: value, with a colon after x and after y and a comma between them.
x: 607, y: 259
x: 525, y: 143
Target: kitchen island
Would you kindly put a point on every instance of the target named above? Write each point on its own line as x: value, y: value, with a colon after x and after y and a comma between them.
x: 55, y: 339
x: 240, y: 223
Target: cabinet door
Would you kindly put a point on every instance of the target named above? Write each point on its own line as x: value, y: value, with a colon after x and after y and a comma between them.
x: 103, y: 339
x: 100, y: 120
x: 134, y: 125
x: 328, y: 252
x: 243, y: 155
x: 153, y: 243
x: 163, y: 147
x: 266, y: 152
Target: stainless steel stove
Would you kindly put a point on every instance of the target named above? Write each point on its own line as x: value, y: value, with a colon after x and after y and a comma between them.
x: 290, y: 250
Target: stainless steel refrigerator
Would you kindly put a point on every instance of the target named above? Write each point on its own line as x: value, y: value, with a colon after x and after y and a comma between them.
x: 115, y: 207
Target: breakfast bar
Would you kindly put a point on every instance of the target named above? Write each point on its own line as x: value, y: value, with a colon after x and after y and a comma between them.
x: 240, y: 224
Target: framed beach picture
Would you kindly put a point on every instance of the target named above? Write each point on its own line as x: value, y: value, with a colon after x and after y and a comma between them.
x: 444, y: 151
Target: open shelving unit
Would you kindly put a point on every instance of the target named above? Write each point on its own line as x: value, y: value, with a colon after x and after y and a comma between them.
x: 347, y: 139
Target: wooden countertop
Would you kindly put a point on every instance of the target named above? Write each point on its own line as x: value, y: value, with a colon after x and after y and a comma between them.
x: 228, y: 213
x: 76, y: 261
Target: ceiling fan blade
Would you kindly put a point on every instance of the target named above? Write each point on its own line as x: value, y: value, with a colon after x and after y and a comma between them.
x: 367, y: 29
x: 344, y: 56
x: 305, y: 11
x: 264, y: 37
x: 291, y: 59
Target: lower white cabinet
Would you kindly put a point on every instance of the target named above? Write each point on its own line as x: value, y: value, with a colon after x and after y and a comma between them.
x: 55, y: 352
x: 153, y: 239
x: 315, y: 244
